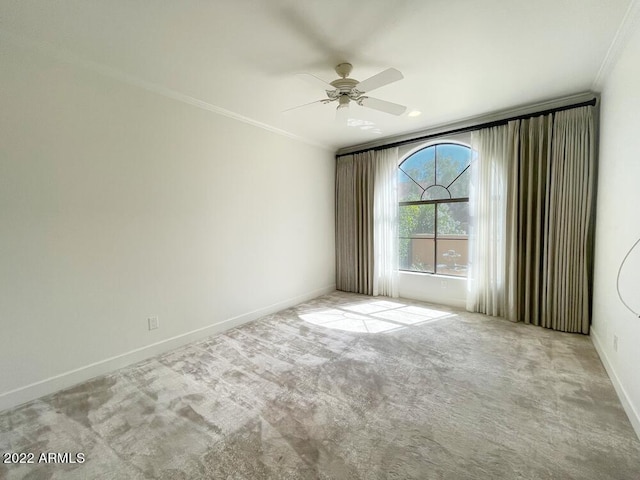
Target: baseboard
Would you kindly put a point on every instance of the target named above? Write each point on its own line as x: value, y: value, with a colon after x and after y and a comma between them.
x: 67, y: 379
x: 632, y: 413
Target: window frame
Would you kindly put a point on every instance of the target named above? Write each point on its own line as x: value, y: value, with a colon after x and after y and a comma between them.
x: 434, y: 202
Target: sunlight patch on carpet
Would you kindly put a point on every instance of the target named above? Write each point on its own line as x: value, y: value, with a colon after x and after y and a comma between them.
x: 376, y: 316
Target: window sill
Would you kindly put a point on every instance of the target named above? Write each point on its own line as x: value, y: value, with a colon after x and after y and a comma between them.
x: 432, y: 275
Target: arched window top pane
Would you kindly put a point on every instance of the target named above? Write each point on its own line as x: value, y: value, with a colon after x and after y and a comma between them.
x: 421, y: 167
x: 408, y: 190
x: 460, y: 187
x: 452, y: 160
x: 440, y: 171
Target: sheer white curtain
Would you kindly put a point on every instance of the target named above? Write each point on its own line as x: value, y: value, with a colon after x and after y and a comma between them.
x: 385, y: 223
x: 492, y: 207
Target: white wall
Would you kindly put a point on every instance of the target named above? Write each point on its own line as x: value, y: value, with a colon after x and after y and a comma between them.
x: 618, y: 227
x: 117, y: 203
x: 433, y: 288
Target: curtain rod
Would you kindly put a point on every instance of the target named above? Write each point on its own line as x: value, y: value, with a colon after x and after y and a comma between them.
x: 480, y: 126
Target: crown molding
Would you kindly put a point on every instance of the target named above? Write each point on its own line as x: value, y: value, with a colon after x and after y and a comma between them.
x: 627, y: 27
x: 123, y: 77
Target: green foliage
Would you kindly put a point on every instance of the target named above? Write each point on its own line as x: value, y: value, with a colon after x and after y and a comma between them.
x: 420, y: 219
x: 449, y: 221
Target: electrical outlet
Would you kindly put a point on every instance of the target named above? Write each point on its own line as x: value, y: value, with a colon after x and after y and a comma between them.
x: 153, y: 323
x: 615, y: 343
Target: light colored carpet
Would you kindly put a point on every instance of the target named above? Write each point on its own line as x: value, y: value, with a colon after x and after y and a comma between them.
x: 343, y: 387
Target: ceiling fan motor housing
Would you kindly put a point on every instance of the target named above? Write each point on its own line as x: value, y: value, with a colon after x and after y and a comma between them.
x: 345, y: 87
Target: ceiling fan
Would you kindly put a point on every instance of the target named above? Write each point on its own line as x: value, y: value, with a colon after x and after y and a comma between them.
x: 344, y: 90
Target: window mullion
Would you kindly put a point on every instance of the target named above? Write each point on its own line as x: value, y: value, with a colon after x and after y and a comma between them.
x: 431, y: 202
x: 454, y: 180
x: 435, y: 239
x: 411, y: 178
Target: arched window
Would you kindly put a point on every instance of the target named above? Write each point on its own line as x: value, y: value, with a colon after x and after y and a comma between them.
x: 433, y: 190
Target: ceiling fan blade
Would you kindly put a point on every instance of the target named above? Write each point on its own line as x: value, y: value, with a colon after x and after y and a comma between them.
x: 342, y: 114
x: 315, y: 81
x: 390, y: 75
x: 382, y: 105
x: 324, y: 100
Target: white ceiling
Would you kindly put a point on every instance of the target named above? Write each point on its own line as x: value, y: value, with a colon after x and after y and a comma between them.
x: 460, y: 58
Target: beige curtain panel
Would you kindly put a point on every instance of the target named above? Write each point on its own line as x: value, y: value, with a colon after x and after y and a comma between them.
x: 367, y: 223
x: 554, y: 245
x: 354, y: 223
x: 536, y: 264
